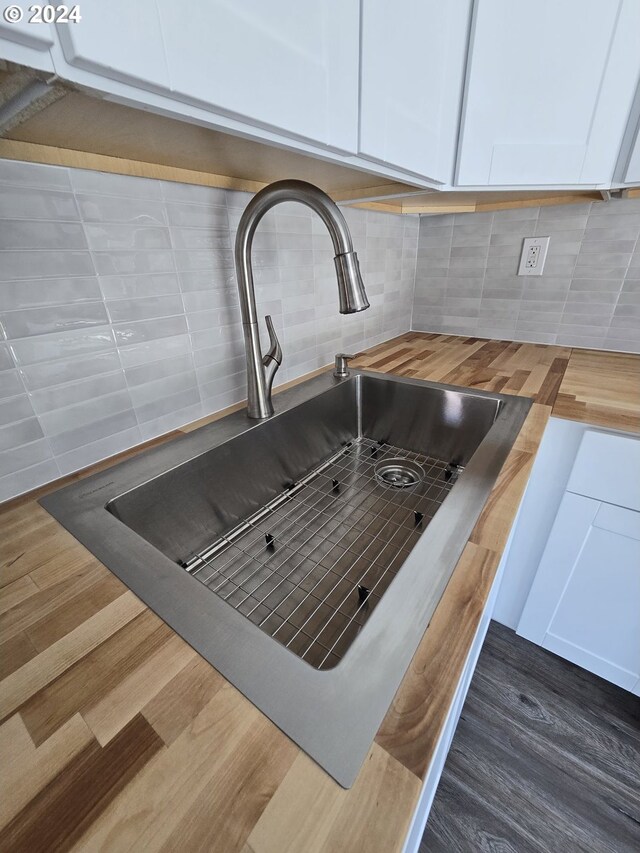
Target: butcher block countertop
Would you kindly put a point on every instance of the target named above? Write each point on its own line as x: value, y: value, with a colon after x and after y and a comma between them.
x: 116, y: 735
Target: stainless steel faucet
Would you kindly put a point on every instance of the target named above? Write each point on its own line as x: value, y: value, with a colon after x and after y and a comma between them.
x: 261, y: 370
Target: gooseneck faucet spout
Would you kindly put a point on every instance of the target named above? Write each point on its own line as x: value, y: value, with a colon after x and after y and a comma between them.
x: 261, y: 370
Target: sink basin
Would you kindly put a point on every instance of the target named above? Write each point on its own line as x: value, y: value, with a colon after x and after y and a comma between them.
x: 304, y: 555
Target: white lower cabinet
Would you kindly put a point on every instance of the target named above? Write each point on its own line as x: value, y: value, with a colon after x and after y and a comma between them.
x: 584, y: 603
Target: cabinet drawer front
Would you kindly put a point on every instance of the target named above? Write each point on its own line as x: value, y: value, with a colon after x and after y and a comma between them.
x: 607, y: 468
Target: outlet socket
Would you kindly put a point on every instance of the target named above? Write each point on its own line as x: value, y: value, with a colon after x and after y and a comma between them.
x: 534, y: 253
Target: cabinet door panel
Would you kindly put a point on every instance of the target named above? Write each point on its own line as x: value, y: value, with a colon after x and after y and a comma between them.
x: 412, y: 69
x: 118, y: 39
x: 293, y: 66
x: 584, y: 602
x: 549, y: 89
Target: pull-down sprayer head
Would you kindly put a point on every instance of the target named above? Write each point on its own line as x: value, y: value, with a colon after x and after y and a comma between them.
x: 351, y: 292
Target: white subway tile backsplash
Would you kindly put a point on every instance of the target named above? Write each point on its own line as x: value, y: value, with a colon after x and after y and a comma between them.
x: 138, y: 286
x: 62, y: 345
x: 6, y: 361
x: 25, y: 234
x: 158, y: 370
x: 197, y: 194
x: 24, y: 457
x: 153, y: 350
x: 197, y: 216
x: 22, y: 202
x: 210, y: 319
x: 606, y: 246
x: 50, y: 374
x: 133, y: 211
x: 606, y: 234
x: 44, y: 264
x: 87, y: 181
x: 40, y: 321
x: 34, y: 175
x: 119, y: 299
x: 149, y: 330
x: 200, y: 238
x: 147, y: 308
x: 213, y: 259
x: 225, y: 278
x: 125, y: 263
x: 91, y: 411
x: 164, y: 406
x: 599, y: 297
x: 594, y: 258
x: 10, y: 383
x: 562, y: 225
x: 175, y: 419
x: 594, y: 284
x: 15, y: 409
x: 208, y: 300
x: 61, y: 396
x: 19, y: 433
x: 52, y: 291
x: 112, y: 236
x: 75, y: 437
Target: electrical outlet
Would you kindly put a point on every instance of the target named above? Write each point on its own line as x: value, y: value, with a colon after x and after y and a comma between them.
x: 534, y: 252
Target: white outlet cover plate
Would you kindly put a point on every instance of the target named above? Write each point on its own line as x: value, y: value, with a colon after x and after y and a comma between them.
x: 534, y: 253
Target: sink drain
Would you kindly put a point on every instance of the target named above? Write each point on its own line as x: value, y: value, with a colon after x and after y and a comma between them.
x: 401, y: 473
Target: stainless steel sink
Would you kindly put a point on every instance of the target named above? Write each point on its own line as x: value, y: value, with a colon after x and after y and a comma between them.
x: 304, y: 555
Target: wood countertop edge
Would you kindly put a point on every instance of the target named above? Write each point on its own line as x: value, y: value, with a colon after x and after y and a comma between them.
x: 104, y: 705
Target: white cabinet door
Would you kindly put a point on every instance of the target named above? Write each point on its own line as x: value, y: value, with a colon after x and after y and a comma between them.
x: 549, y: 89
x: 290, y: 66
x: 119, y: 39
x: 412, y: 74
x: 585, y: 600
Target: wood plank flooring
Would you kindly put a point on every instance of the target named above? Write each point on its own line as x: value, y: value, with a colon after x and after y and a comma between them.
x: 546, y: 758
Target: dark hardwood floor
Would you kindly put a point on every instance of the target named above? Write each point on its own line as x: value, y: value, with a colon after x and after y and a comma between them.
x: 546, y: 758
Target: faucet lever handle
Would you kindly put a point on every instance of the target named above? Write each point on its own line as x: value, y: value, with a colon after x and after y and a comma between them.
x: 342, y: 364
x: 275, y: 350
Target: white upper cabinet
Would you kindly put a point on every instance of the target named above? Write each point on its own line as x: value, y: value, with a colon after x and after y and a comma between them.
x: 290, y: 66
x: 549, y: 89
x: 413, y: 60
x: 469, y: 93
x: 119, y: 39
